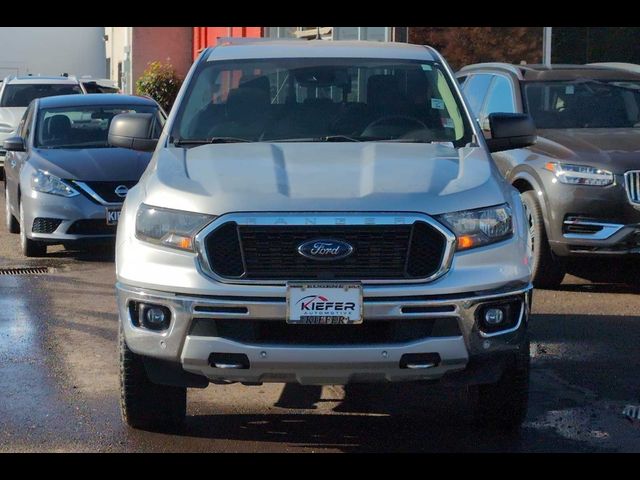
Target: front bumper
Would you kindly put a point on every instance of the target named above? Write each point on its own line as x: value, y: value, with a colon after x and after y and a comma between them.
x: 321, y: 364
x: 587, y: 220
x: 92, y: 217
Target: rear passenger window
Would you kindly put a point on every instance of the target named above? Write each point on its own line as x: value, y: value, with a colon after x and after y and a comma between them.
x: 475, y: 89
x: 500, y: 98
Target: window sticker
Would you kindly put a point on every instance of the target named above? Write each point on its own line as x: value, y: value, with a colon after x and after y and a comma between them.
x: 570, y: 90
x: 448, y: 123
x: 426, y: 68
x: 437, y: 103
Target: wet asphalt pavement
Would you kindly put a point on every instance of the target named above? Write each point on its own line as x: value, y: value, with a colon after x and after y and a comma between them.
x: 59, y: 382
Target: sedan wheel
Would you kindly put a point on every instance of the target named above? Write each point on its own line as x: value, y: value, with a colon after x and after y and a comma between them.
x: 30, y: 248
x: 12, y: 224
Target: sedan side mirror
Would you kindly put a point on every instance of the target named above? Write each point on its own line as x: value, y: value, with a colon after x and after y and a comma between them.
x: 134, y: 131
x: 511, y: 130
x: 14, y: 144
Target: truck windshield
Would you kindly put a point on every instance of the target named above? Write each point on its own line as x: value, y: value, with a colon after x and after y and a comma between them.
x: 21, y: 94
x: 321, y: 99
x: 80, y: 127
x: 583, y: 103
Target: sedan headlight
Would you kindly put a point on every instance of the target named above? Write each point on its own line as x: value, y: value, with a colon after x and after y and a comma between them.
x: 475, y: 228
x: 44, y: 182
x: 580, y: 174
x: 170, y: 228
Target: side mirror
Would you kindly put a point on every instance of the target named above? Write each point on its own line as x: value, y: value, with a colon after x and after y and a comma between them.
x: 511, y: 130
x: 14, y: 144
x: 134, y: 131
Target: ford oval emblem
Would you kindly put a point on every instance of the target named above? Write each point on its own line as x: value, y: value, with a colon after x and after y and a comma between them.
x: 325, y: 249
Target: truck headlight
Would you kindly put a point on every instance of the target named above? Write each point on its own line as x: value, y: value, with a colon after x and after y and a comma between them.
x: 580, y: 174
x: 170, y: 228
x: 44, y: 182
x: 475, y: 228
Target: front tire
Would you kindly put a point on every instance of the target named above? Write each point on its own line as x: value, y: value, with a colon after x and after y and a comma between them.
x: 30, y: 248
x: 143, y: 404
x: 547, y: 269
x: 11, y: 222
x: 503, y: 405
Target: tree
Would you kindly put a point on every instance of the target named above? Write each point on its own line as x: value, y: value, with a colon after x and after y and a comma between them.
x: 160, y: 82
x: 462, y: 46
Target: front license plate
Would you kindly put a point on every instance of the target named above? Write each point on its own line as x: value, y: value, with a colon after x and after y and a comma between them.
x: 324, y: 304
x: 113, y: 216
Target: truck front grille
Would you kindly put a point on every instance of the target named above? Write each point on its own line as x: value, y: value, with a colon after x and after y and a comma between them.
x: 632, y: 184
x: 259, y: 252
x: 273, y: 332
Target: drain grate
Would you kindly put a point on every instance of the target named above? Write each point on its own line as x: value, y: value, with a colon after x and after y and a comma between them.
x: 26, y: 271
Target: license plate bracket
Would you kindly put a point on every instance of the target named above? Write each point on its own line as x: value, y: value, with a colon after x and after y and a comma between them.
x: 324, y: 303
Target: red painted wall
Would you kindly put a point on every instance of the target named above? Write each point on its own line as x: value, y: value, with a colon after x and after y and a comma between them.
x: 207, y: 36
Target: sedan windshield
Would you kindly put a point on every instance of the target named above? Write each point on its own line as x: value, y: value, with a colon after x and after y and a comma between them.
x: 320, y: 99
x: 584, y: 104
x: 80, y: 127
x: 21, y: 94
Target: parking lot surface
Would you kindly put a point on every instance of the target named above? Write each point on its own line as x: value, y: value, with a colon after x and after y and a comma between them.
x: 59, y: 379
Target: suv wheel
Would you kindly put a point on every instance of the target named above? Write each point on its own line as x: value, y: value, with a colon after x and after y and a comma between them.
x: 12, y: 223
x: 547, y: 269
x: 503, y: 405
x: 144, y: 404
x: 30, y: 248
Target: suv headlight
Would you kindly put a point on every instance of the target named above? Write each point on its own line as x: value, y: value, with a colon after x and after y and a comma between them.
x: 44, y: 182
x: 475, y: 228
x: 580, y: 174
x: 170, y: 228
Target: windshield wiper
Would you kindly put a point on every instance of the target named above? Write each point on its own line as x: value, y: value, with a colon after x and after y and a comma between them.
x: 207, y: 141
x: 326, y: 138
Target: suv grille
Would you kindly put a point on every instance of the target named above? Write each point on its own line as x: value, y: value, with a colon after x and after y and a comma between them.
x: 379, y: 252
x: 632, y: 183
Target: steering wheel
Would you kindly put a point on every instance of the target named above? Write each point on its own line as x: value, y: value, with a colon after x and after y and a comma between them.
x: 390, y: 117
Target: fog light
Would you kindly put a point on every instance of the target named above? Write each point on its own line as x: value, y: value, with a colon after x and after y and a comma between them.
x: 494, y: 316
x: 154, y: 317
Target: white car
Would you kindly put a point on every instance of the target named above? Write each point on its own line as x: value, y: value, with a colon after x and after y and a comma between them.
x: 17, y: 92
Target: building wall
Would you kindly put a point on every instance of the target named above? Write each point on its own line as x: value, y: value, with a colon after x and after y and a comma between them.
x: 116, y: 39
x: 52, y: 51
x: 207, y: 36
x: 165, y: 44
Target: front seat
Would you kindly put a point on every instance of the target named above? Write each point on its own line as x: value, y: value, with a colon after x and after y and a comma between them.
x: 59, y: 129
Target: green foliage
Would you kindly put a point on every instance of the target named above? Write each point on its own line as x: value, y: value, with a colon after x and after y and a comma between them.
x: 161, y: 82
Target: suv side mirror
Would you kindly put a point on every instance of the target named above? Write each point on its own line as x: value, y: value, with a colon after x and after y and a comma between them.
x: 134, y: 131
x: 14, y: 144
x: 510, y: 130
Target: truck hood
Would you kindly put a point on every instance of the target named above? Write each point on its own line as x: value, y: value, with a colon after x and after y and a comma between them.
x: 614, y: 149
x: 91, y: 164
x: 11, y: 116
x: 225, y: 178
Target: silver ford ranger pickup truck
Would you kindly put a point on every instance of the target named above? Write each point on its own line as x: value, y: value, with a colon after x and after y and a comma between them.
x: 322, y: 213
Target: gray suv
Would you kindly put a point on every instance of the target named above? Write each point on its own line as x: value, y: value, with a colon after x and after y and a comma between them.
x: 322, y: 213
x: 580, y: 182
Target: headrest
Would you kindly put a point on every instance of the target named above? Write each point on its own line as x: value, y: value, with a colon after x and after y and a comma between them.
x: 59, y: 125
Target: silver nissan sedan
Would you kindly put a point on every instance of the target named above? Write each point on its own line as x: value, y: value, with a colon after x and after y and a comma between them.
x: 64, y: 183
